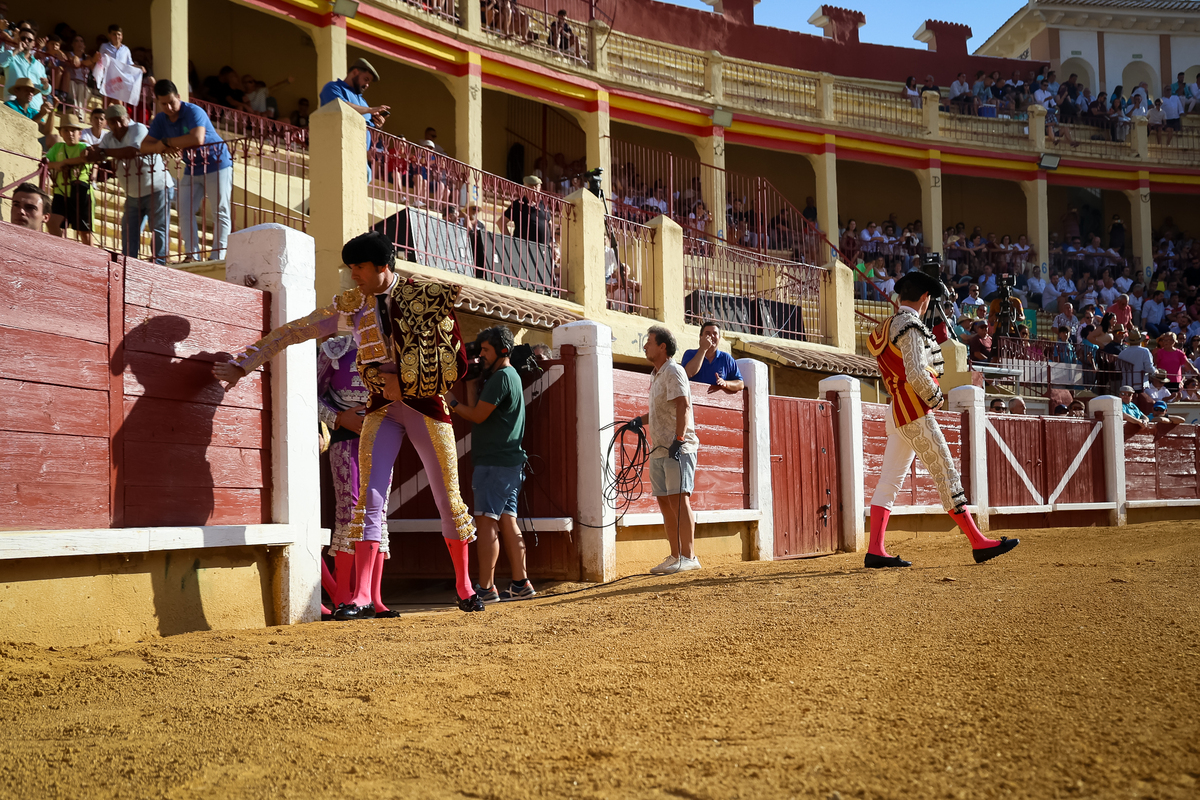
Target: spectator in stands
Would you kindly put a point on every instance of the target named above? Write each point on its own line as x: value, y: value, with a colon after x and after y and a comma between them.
x: 115, y: 50
x: 710, y: 364
x: 1154, y: 314
x: 1157, y: 389
x: 1035, y: 285
x: 350, y: 91
x: 972, y: 299
x: 1066, y: 317
x: 299, y: 117
x: 1158, y: 414
x: 979, y: 343
x: 71, y: 204
x: 184, y: 128
x: 23, y: 92
x: 1122, y: 310
x: 562, y: 37
x: 20, y: 62
x: 1060, y: 411
x: 961, y: 96
x: 1158, y: 122
x: 91, y: 136
x: 30, y: 207
x: 1063, y: 349
x: 1129, y: 410
x: 1191, y: 390
x: 530, y: 220
x: 1016, y: 406
x: 997, y: 406
x: 1076, y: 408
x: 1172, y: 106
x: 1172, y: 361
x: 147, y: 183
x: 1136, y: 362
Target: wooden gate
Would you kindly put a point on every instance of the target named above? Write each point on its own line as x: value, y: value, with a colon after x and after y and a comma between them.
x: 804, y: 477
x: 1044, y: 461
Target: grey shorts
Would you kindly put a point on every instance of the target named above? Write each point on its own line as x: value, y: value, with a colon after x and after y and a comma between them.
x: 668, y: 476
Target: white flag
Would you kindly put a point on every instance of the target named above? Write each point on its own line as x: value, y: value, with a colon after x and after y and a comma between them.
x: 98, y: 69
x: 123, y: 82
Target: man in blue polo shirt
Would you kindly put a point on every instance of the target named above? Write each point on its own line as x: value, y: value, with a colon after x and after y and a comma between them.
x: 185, y: 129
x: 351, y: 90
x: 709, y: 364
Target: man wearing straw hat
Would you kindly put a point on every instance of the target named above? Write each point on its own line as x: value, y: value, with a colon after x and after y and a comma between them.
x: 71, y: 204
x: 23, y: 91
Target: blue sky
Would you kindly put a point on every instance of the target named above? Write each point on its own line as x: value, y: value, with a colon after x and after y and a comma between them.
x: 888, y: 22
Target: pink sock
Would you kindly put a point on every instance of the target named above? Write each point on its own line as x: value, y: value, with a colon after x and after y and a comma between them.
x: 966, y: 523
x: 462, y: 581
x: 343, y: 565
x: 377, y: 581
x: 879, y: 522
x: 327, y: 581
x: 325, y: 611
x: 364, y: 566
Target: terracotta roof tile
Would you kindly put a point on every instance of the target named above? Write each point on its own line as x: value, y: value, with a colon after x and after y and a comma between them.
x: 797, y: 355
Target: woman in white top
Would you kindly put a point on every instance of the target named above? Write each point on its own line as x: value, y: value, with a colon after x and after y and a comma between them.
x: 911, y: 92
x: 1021, y: 251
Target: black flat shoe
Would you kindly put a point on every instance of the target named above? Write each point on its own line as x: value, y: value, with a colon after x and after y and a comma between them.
x: 986, y: 553
x: 872, y: 561
x: 472, y: 603
x: 351, y: 611
x: 391, y: 613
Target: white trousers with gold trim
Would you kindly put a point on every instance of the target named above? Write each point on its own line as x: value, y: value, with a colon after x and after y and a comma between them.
x: 922, y: 438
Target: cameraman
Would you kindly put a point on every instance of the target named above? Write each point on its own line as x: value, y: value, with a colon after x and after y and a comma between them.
x: 1006, y: 325
x: 497, y: 414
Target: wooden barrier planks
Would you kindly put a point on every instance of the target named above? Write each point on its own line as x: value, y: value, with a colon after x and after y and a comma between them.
x: 804, y: 477
x: 918, y: 488
x: 1162, y: 464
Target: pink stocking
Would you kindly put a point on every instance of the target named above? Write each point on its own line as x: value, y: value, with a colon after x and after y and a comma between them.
x: 963, y: 518
x: 343, y: 565
x: 879, y: 523
x: 377, y: 581
x: 327, y: 582
x: 458, y: 554
x: 364, y: 566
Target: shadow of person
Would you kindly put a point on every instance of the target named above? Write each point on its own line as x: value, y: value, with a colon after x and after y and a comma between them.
x: 162, y: 476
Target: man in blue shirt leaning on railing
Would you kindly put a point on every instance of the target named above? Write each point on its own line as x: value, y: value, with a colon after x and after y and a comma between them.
x: 709, y: 364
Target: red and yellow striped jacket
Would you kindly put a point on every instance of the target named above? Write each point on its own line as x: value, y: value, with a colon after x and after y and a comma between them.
x: 912, y: 397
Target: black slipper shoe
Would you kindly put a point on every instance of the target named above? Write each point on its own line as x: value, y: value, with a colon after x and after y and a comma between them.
x: 986, y: 553
x: 351, y: 611
x: 391, y: 613
x: 872, y: 561
x: 470, y: 604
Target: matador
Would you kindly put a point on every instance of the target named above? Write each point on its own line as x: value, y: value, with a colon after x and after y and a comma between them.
x: 910, y: 361
x: 410, y: 352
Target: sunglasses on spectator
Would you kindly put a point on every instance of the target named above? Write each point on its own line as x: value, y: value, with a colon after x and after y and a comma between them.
x: 26, y: 38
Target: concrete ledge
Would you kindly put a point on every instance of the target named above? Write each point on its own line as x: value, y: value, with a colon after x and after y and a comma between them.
x: 1162, y: 503
x: 899, y: 511
x: 106, y: 541
x: 702, y: 517
x: 536, y: 524
x: 1046, y: 509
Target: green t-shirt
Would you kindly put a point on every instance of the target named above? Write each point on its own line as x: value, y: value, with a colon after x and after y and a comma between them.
x: 496, y: 442
x: 63, y: 177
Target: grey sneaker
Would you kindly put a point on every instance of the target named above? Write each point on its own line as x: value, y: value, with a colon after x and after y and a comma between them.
x: 666, y: 567
x: 684, y: 564
x: 518, y: 591
x: 489, y: 595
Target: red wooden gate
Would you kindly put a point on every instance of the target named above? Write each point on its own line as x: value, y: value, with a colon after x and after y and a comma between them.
x: 1041, y: 461
x: 1162, y: 465
x: 804, y: 477
x: 111, y: 415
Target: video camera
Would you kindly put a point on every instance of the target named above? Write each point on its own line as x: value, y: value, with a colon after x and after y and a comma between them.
x: 522, y: 359
x: 593, y: 181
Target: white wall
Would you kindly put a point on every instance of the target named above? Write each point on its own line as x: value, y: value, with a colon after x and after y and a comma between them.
x: 1185, y: 53
x: 1083, y: 45
x: 1119, y: 49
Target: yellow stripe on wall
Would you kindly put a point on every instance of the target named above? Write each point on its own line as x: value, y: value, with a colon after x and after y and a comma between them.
x: 538, y: 80
x: 661, y: 111
x: 405, y: 39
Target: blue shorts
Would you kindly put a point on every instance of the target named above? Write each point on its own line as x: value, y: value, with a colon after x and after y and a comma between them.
x: 669, y: 477
x: 496, y: 490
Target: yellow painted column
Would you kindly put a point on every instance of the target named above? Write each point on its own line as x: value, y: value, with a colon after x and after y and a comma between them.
x: 825, y: 167
x: 1037, y: 221
x: 837, y: 307
x: 1140, y: 137
x: 468, y: 112
x: 597, y: 131
x: 667, y: 277
x: 931, y: 201
x: 712, y: 178
x: 169, y: 40
x: 338, y: 204
x: 585, y: 253
x: 332, y: 63
x: 1141, y: 238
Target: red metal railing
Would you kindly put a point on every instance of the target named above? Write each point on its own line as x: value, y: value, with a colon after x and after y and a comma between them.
x: 150, y: 207
x: 628, y: 266
x: 752, y: 292
x: 647, y: 182
x: 38, y: 173
x: 442, y: 213
x: 242, y: 124
x: 442, y: 9
x: 1075, y: 366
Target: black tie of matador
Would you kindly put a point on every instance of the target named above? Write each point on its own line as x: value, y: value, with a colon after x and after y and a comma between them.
x: 384, y: 320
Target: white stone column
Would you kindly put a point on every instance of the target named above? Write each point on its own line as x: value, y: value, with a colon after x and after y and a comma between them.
x: 594, y: 410
x: 282, y: 261
x: 758, y: 456
x: 850, y: 459
x: 971, y: 399
x: 1113, y: 434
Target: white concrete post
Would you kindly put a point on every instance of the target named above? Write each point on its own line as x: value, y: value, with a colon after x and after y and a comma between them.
x: 758, y: 456
x: 1114, y: 453
x: 971, y: 400
x: 594, y: 410
x: 850, y: 459
x: 282, y: 261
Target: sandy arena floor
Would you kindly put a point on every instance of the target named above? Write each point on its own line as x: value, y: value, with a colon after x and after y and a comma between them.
x: 1067, y: 669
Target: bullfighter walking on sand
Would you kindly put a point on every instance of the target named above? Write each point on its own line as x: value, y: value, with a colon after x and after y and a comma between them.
x: 910, y: 362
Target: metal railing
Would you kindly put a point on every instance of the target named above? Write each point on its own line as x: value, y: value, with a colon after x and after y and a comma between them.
x: 176, y: 208
x: 442, y: 213
x: 1093, y: 139
x: 656, y: 63
x: 442, y: 9
x: 769, y: 89
x: 752, y: 292
x: 38, y: 173
x: 535, y: 25
x: 1176, y: 147
x: 876, y: 109
x: 628, y: 266
x: 1074, y: 366
x: 241, y: 124
x: 648, y: 182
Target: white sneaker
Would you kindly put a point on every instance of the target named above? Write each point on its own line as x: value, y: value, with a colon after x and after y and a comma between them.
x: 666, y: 567
x: 684, y: 564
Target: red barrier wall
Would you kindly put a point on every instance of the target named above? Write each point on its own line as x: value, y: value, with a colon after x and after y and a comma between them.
x: 111, y: 415
x: 1162, y: 465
